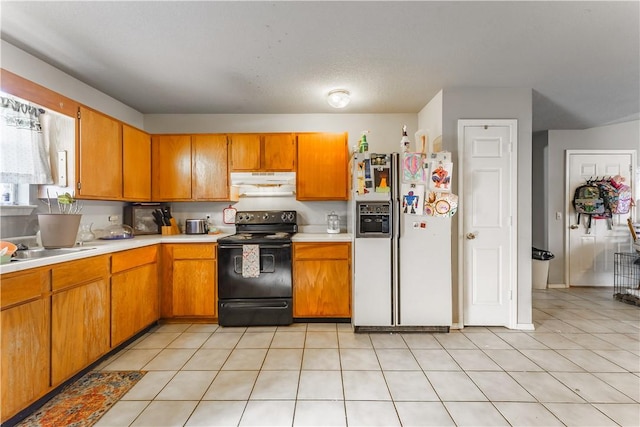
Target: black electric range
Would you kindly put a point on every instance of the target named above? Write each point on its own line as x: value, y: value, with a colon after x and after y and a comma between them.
x: 255, y: 270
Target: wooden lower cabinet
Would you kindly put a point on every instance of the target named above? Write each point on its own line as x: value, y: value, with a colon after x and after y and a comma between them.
x: 189, y: 278
x: 79, y: 315
x: 25, y: 320
x: 135, y: 294
x: 322, y: 280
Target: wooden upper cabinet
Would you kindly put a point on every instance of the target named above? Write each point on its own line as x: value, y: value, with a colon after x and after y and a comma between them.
x: 279, y: 152
x: 136, y: 164
x: 99, y: 157
x: 210, y: 173
x: 171, y: 167
x: 262, y: 152
x: 245, y: 152
x: 323, y: 164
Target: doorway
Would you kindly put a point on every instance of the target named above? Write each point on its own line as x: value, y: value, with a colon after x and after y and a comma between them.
x: 488, y: 222
x: 590, y: 251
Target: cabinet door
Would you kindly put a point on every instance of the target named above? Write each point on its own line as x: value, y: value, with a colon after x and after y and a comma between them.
x: 210, y: 173
x: 100, y: 156
x: 194, y: 287
x: 134, y: 301
x: 136, y: 164
x: 79, y: 328
x: 171, y: 167
x: 322, y: 167
x: 25, y: 355
x: 135, y: 296
x: 322, y: 279
x: 279, y: 152
x: 189, y: 281
x: 245, y: 152
x: 321, y: 288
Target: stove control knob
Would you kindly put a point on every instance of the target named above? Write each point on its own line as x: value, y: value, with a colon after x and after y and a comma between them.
x: 265, y: 216
x: 287, y: 217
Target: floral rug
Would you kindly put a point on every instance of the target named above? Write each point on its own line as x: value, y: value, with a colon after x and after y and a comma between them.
x: 82, y: 403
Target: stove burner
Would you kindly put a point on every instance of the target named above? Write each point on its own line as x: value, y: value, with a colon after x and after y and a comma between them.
x: 277, y: 236
x: 241, y: 236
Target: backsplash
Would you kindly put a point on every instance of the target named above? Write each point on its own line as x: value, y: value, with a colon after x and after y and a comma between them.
x: 311, y: 215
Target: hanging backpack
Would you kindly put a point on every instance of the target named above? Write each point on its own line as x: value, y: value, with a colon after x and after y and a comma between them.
x: 623, y: 200
x: 610, y: 197
x: 587, y: 200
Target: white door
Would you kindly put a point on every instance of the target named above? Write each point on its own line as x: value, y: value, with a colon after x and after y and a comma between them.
x: 488, y: 222
x: 591, y: 252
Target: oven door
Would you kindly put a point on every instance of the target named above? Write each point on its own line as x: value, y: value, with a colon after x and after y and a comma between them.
x: 274, y: 280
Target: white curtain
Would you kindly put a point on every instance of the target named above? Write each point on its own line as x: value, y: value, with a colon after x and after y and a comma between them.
x: 24, y: 157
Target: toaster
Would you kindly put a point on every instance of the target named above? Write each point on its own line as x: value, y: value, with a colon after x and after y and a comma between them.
x: 196, y: 226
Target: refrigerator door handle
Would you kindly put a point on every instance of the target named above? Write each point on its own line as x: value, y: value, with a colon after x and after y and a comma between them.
x: 395, y: 266
x: 396, y: 217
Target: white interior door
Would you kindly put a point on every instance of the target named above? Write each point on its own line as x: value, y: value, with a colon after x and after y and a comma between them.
x: 488, y: 223
x: 590, y: 252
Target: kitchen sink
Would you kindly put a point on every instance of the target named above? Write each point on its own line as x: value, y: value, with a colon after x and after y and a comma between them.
x: 45, y: 253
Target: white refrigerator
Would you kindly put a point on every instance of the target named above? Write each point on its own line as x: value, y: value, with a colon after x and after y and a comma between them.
x: 401, y: 273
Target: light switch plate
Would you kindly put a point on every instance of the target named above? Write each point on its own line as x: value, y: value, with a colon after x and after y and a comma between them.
x: 62, y: 169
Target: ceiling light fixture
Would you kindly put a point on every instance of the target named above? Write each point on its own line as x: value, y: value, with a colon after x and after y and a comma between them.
x: 339, y: 98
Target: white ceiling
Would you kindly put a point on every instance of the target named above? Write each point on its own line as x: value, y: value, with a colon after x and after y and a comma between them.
x: 582, y: 59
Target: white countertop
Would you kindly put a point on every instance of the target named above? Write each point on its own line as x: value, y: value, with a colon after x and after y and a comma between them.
x: 100, y: 247
x: 322, y: 237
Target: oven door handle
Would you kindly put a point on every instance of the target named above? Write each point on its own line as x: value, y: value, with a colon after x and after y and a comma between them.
x: 254, y: 304
x: 262, y: 246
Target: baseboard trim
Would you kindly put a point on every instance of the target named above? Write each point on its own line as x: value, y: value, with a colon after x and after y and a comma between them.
x: 525, y: 327
x: 557, y: 286
x: 399, y: 329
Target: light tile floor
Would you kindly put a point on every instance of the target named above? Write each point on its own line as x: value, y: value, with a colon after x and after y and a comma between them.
x: 580, y: 367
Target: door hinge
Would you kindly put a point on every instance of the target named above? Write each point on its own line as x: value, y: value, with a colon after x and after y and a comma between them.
x: 511, y: 295
x: 78, y: 114
x: 79, y: 185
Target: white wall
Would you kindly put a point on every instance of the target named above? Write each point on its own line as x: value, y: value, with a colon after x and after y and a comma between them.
x: 496, y: 103
x: 385, y: 130
x: 539, y: 190
x: 430, y: 118
x: 622, y: 136
x: 31, y: 68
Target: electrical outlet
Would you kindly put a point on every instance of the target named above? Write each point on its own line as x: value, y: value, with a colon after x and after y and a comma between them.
x: 558, y: 216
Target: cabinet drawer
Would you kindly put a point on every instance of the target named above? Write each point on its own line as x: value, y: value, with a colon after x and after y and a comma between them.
x: 194, y: 251
x: 81, y: 271
x: 321, y: 250
x: 23, y: 286
x: 127, y: 260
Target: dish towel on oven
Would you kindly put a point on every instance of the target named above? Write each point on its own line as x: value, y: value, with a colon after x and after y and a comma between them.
x: 250, y: 260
